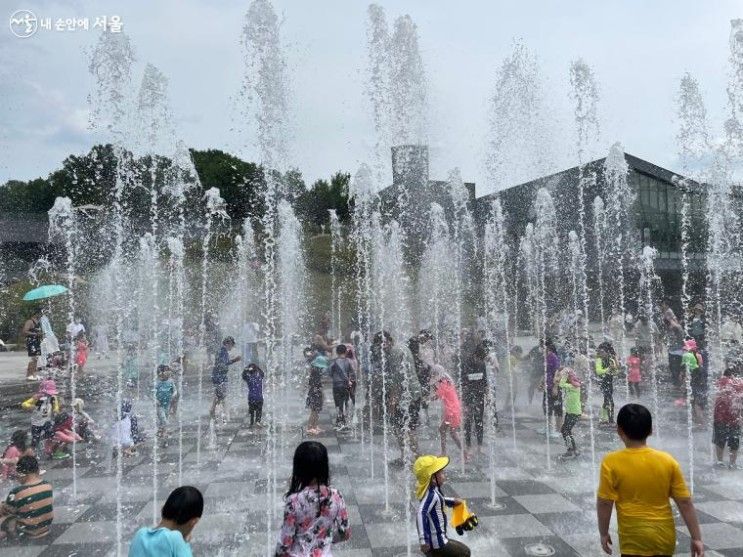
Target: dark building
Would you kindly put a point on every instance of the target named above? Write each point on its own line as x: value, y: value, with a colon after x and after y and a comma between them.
x: 411, y: 194
x: 654, y: 216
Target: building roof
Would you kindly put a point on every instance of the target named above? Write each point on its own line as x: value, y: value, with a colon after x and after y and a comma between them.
x: 635, y: 163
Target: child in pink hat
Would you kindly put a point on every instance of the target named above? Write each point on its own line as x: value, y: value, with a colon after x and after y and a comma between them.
x: 45, y: 406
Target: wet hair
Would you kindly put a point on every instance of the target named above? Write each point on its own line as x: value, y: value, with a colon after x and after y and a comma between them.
x: 481, y: 351
x: 550, y: 345
x: 633, y: 351
x: 517, y: 350
x: 378, y: 337
x: 19, y: 439
x: 310, y: 464
x: 635, y: 421
x: 251, y: 368
x: 228, y: 340
x: 163, y: 368
x: 27, y: 465
x: 183, y: 504
x: 340, y: 349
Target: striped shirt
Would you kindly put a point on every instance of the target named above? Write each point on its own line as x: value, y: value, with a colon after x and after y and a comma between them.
x: 31, y: 504
x: 431, y: 519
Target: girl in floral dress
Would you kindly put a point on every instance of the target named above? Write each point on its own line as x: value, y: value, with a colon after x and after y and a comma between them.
x: 315, y: 514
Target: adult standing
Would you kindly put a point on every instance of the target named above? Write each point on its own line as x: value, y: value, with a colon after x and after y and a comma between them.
x: 552, y: 398
x: 674, y: 340
x: 32, y: 334
x: 74, y: 329
x: 212, y: 335
x: 474, y: 394
x: 322, y: 344
x: 403, y: 394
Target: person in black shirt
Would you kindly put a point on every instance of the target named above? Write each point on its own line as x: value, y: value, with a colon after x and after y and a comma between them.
x: 474, y: 395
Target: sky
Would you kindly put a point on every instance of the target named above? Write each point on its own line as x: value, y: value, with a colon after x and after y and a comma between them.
x: 638, y: 50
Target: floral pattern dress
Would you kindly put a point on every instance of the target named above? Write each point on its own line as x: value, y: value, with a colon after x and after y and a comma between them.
x: 305, y: 533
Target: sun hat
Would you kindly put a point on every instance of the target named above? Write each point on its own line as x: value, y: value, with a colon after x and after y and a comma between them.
x: 690, y: 344
x: 48, y: 387
x: 320, y: 361
x: 424, y: 468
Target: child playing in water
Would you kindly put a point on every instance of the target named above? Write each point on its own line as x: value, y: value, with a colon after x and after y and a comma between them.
x: 727, y: 416
x: 130, y: 367
x: 570, y: 384
x: 431, y: 519
x: 64, y: 436
x: 253, y: 377
x: 451, y: 417
x: 18, y: 447
x: 634, y: 375
x: 81, y: 351
x: 314, y: 393
x: 45, y: 406
x: 164, y: 393
x: 85, y: 425
x: 315, y: 514
x: 693, y: 365
x: 606, y: 368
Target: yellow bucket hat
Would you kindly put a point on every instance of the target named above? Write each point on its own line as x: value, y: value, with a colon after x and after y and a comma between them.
x: 424, y: 468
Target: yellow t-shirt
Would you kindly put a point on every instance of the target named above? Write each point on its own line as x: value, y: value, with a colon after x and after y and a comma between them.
x: 640, y: 482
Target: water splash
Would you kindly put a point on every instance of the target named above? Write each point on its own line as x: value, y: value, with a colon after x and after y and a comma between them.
x: 519, y: 145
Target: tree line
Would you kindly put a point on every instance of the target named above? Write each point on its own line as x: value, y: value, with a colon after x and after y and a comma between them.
x: 91, y: 179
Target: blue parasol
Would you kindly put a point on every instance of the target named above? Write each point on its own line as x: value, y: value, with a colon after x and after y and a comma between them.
x: 46, y: 291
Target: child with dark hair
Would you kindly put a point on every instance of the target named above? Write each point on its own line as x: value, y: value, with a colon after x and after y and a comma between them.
x: 165, y: 392
x: 180, y: 513
x: 640, y: 480
x: 314, y: 394
x: 606, y: 367
x: 28, y: 511
x: 19, y: 447
x: 253, y: 377
x: 340, y: 373
x: 222, y: 363
x: 315, y: 515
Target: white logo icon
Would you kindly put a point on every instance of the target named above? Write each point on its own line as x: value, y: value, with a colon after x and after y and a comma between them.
x: 23, y: 23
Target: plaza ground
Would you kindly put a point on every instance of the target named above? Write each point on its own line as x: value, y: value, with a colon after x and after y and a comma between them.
x: 538, y: 509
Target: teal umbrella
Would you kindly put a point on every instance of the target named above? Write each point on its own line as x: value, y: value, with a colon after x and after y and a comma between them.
x: 46, y: 291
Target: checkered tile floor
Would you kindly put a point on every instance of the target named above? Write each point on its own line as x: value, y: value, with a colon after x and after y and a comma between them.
x: 538, y: 508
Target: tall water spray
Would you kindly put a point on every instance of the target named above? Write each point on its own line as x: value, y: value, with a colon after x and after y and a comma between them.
x: 546, y: 250
x: 584, y: 93
x: 600, y: 235
x: 519, y: 146
x: 622, y: 243
x: 378, y: 86
x: 110, y: 65
x: 63, y: 225
x: 407, y: 88
x: 360, y: 191
x: 265, y: 95
x: 496, y: 287
x: 649, y: 286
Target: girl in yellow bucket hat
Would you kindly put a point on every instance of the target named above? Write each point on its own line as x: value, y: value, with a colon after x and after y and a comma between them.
x: 431, y: 518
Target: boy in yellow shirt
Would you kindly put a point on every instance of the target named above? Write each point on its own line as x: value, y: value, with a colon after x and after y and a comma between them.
x: 640, y: 481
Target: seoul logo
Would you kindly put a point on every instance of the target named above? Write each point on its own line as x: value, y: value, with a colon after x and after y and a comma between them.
x: 23, y: 23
